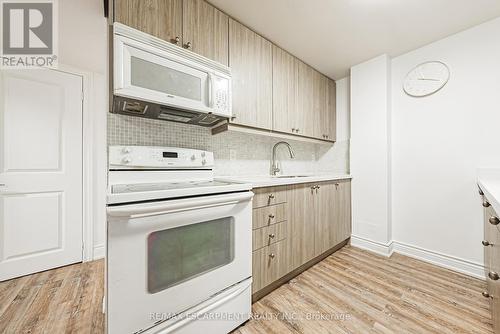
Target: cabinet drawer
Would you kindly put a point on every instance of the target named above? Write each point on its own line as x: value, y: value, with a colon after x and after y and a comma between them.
x: 269, y: 235
x: 268, y: 215
x: 269, y: 196
x: 491, y: 241
x: 269, y: 264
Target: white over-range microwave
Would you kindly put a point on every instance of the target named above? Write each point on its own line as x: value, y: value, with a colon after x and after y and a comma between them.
x: 153, y: 78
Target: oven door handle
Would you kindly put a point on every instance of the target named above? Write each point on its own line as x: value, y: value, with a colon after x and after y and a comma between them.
x: 171, y: 206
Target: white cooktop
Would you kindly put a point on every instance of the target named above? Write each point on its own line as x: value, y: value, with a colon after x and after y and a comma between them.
x: 144, y: 187
x: 148, y: 173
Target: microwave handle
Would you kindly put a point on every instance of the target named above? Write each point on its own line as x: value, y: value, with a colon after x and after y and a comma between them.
x: 210, y: 90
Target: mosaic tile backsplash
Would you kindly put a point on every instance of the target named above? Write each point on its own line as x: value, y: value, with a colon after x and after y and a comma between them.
x: 235, y: 153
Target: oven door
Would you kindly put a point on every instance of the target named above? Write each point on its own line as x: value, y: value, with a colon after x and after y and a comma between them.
x: 166, y: 257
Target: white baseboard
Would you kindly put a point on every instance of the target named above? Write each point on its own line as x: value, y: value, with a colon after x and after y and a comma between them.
x: 372, y: 246
x: 99, y: 252
x: 439, y: 259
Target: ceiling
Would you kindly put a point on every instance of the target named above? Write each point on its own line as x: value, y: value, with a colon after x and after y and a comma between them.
x: 333, y: 35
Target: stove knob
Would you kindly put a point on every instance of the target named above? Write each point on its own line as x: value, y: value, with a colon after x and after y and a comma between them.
x: 203, y: 154
x: 126, y: 160
x: 203, y: 162
x: 193, y: 157
x: 126, y: 150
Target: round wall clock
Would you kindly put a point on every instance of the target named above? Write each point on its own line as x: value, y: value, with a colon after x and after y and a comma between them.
x: 426, y: 79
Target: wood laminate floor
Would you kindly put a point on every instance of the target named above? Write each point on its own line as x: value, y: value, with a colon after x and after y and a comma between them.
x: 352, y: 291
x: 62, y: 300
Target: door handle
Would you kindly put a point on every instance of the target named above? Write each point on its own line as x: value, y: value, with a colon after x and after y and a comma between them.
x: 210, y: 91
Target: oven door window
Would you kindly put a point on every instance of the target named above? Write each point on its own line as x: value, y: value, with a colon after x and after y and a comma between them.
x: 179, y: 254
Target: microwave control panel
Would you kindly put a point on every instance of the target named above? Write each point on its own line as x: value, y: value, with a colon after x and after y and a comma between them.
x: 221, y: 95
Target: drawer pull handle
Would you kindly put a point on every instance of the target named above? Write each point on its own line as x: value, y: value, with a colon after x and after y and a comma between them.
x: 486, y: 204
x: 271, y: 235
x: 272, y: 256
x: 493, y: 276
x: 494, y: 220
x: 271, y: 216
x: 486, y: 243
x: 486, y: 294
x: 271, y: 196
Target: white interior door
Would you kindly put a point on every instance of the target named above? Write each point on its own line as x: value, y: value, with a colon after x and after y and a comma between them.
x: 40, y: 171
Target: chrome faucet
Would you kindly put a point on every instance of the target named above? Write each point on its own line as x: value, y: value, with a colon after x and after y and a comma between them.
x: 274, y: 166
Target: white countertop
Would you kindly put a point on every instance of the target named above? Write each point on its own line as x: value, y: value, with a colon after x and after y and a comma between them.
x: 489, y: 182
x: 259, y: 181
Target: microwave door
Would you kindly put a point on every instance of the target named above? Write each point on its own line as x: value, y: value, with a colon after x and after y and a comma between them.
x: 147, y: 76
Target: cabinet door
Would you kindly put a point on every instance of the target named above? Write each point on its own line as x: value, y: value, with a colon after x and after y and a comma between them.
x: 250, y: 59
x: 160, y: 18
x: 320, y: 86
x: 330, y: 116
x: 342, y: 212
x: 489, y: 237
x: 285, y: 76
x: 302, y: 216
x: 206, y: 29
x: 325, y: 217
x: 269, y: 264
x: 304, y: 117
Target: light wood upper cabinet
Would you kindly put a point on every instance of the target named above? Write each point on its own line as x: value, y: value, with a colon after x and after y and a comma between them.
x: 199, y: 26
x: 250, y: 59
x: 331, y: 111
x: 285, y: 78
x: 206, y: 29
x: 320, y: 86
x: 304, y: 116
x: 160, y: 18
x: 271, y: 89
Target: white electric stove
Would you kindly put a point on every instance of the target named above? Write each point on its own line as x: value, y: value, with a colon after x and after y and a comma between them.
x: 178, y: 243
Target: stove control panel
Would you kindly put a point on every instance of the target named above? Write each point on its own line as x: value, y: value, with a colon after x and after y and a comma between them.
x: 144, y: 157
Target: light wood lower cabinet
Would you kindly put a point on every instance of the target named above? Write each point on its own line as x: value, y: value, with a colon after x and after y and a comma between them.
x: 269, y: 264
x: 302, y: 212
x: 309, y: 221
x: 491, y: 244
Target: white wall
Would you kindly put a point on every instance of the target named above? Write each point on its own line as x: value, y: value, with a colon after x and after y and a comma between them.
x: 427, y: 194
x: 83, y: 46
x: 370, y: 150
x: 439, y: 141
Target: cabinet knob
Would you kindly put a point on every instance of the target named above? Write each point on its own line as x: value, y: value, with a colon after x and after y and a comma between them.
x: 271, y: 235
x: 486, y: 294
x: 188, y: 45
x: 494, y: 220
x: 493, y: 276
x: 486, y: 204
x: 271, y: 216
x: 176, y: 40
x: 486, y: 243
x: 272, y: 256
